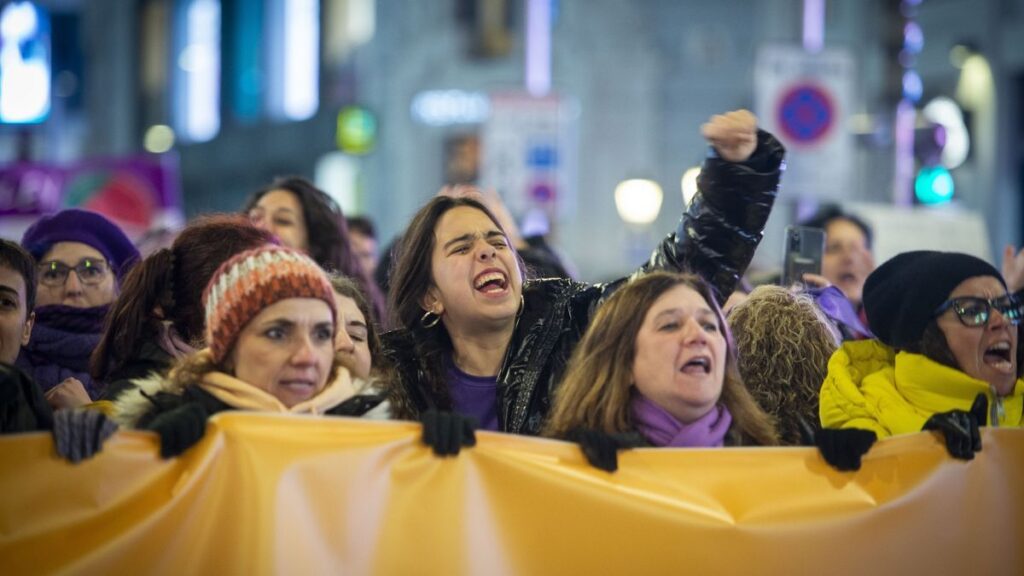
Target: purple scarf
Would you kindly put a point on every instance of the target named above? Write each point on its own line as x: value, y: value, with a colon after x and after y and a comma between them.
x: 663, y: 430
x: 62, y: 340
x: 836, y: 306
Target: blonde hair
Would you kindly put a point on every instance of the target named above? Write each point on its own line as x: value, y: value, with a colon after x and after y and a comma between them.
x: 784, y: 342
x: 599, y: 377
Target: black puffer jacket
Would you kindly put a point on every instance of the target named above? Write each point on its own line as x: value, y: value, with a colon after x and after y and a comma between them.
x: 716, y: 239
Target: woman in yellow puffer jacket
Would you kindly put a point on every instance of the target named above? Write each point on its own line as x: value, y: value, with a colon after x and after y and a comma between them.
x: 946, y: 359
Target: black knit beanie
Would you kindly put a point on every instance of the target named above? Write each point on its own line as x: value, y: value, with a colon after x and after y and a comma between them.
x: 901, y: 295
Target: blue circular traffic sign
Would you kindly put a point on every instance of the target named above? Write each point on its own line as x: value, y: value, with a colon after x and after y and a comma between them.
x: 805, y: 113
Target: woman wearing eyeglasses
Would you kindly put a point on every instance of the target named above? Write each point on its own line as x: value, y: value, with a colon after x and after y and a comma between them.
x: 80, y: 258
x: 947, y: 358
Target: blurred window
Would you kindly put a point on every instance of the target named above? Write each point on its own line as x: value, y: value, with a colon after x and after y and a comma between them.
x: 293, y: 58
x: 24, y: 63
x: 197, y: 69
x: 246, y: 84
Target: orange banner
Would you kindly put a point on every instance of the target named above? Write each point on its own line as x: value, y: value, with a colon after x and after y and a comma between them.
x: 265, y: 494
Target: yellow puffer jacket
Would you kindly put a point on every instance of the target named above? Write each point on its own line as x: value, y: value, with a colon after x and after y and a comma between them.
x: 870, y: 387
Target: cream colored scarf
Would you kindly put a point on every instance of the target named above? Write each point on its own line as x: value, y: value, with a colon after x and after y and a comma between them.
x: 244, y: 396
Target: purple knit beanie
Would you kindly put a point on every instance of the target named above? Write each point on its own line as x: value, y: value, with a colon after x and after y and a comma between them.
x: 90, y: 228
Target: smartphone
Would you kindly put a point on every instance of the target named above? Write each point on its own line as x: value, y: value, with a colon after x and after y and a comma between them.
x: 804, y: 249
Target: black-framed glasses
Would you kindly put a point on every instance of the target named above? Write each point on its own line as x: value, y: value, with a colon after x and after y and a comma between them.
x: 975, y: 311
x: 90, y: 272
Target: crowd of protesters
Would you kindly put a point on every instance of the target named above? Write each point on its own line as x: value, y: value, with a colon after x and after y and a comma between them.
x: 276, y: 309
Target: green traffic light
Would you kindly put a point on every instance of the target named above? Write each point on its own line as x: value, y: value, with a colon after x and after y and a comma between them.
x: 934, y: 185
x: 357, y: 130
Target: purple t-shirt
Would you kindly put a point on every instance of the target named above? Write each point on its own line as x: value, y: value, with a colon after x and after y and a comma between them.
x: 475, y: 396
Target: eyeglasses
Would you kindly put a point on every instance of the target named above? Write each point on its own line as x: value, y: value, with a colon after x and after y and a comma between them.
x: 90, y: 272
x: 974, y: 311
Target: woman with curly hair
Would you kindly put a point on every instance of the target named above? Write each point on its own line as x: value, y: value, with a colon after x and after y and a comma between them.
x: 657, y: 367
x: 783, y: 343
x: 305, y: 218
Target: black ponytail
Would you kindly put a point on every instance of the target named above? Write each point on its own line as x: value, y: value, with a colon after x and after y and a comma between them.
x: 147, y: 287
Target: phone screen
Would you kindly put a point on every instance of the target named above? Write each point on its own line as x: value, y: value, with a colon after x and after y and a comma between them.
x: 804, y: 249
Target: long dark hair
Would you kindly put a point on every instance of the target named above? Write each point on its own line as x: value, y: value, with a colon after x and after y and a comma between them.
x: 413, y: 276
x: 171, y: 279
x: 327, y: 233
x: 599, y: 378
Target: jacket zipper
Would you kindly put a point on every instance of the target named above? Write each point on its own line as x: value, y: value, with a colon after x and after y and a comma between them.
x: 997, y: 412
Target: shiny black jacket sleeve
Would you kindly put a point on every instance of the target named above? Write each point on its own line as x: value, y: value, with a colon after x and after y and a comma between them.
x: 718, y: 232
x: 721, y: 228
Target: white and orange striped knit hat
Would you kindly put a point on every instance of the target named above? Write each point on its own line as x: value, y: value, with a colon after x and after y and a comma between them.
x: 252, y: 280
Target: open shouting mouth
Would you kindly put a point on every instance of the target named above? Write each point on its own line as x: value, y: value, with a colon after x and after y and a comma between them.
x: 998, y: 356
x: 491, y: 281
x: 697, y: 365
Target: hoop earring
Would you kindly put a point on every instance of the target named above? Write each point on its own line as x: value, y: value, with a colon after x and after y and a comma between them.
x: 429, y: 319
x: 522, y: 304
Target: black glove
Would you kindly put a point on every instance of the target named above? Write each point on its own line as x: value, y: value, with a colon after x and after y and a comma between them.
x: 843, y: 448
x: 447, y: 432
x: 180, y: 428
x: 600, y: 448
x: 79, y: 434
x: 960, y: 429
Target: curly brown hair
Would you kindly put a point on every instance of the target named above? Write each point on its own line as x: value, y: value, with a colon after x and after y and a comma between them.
x: 784, y: 342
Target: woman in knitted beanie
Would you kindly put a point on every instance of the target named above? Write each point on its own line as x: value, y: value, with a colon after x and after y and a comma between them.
x: 159, y: 317
x: 82, y: 259
x: 270, y: 322
x: 946, y: 358
x: 657, y: 367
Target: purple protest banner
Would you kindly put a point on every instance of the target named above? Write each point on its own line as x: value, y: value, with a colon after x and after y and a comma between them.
x: 30, y: 189
x: 139, y: 193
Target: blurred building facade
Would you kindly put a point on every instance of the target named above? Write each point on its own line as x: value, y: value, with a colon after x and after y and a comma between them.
x: 635, y: 78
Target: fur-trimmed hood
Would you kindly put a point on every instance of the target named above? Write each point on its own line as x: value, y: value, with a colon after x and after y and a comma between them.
x: 135, y: 402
